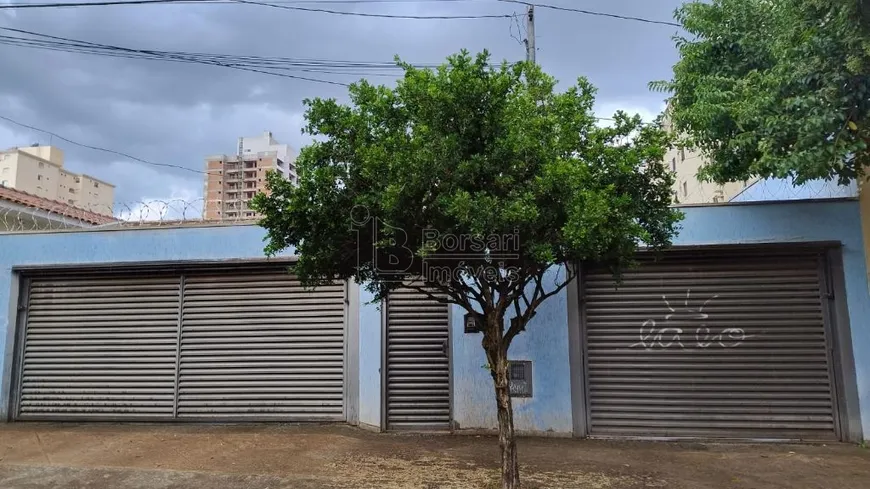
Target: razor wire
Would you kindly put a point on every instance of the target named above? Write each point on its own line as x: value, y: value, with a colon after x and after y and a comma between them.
x: 21, y: 217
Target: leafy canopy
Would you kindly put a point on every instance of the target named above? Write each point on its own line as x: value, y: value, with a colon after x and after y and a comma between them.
x: 774, y: 88
x: 468, y: 150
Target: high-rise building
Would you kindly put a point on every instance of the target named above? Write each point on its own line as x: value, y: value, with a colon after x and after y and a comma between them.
x: 231, y: 181
x: 39, y: 171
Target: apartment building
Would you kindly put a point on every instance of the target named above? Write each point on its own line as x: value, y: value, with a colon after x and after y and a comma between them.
x: 38, y: 170
x: 687, y: 188
x: 231, y: 181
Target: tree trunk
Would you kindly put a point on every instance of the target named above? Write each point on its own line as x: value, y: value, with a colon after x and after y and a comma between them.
x: 497, y: 357
x: 510, y: 472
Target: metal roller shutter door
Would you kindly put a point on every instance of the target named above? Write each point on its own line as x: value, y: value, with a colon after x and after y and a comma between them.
x: 418, y: 365
x: 711, y: 344
x: 261, y: 346
x: 98, y: 347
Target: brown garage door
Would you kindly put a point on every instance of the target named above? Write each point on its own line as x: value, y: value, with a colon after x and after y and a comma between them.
x: 711, y: 344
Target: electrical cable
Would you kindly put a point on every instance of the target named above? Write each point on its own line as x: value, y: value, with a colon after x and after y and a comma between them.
x: 592, y: 12
x: 368, y: 14
x: 85, y: 45
x: 295, y: 6
x: 243, y: 62
x: 97, y: 148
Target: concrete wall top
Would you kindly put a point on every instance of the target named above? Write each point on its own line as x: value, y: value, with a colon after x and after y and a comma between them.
x: 776, y: 189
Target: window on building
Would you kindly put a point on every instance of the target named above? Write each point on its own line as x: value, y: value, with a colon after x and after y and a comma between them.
x: 4, y: 183
x: 71, y: 201
x: 39, y: 177
x: 96, y: 185
x: 72, y: 190
x: 41, y: 164
x: 674, y: 164
x: 682, y: 155
x: 78, y: 180
x: 685, y: 189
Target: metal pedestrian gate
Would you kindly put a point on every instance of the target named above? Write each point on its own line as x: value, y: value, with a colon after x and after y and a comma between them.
x: 711, y: 344
x: 203, y: 345
x: 417, y: 362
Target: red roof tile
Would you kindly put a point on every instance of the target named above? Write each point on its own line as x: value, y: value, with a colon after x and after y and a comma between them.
x: 53, y: 206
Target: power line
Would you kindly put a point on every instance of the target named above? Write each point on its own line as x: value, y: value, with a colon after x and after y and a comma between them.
x: 138, y: 53
x: 276, y: 66
x: 97, y: 148
x: 383, y: 16
x: 247, y: 62
x: 592, y: 12
x: 343, y: 2
x: 101, y: 3
x: 104, y: 3
x: 294, y: 5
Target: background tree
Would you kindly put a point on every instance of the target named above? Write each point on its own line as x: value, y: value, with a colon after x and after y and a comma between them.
x: 770, y: 88
x: 471, y: 151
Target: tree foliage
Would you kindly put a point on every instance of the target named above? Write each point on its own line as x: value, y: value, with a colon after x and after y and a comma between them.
x: 468, y: 150
x: 472, y: 152
x: 774, y: 88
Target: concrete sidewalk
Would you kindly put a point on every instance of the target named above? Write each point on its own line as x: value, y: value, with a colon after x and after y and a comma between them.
x: 35, y: 456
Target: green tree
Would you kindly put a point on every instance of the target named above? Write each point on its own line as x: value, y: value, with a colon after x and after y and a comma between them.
x: 471, y: 151
x: 774, y: 88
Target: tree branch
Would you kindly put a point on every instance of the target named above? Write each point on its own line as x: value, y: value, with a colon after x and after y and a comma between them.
x: 539, y: 296
x: 457, y: 291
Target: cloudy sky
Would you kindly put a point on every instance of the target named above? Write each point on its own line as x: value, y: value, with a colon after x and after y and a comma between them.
x: 178, y: 114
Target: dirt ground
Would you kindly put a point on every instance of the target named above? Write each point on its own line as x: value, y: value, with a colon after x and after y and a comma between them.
x: 36, y: 456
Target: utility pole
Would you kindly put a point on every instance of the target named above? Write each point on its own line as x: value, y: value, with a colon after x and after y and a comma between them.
x: 530, y: 34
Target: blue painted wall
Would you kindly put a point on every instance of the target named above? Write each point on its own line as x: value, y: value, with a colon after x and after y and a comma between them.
x: 545, y: 343
x: 369, y: 360
x: 135, y: 245
x: 546, y: 339
x: 805, y: 221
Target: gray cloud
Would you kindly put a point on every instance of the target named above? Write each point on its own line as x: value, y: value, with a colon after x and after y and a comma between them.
x: 180, y: 113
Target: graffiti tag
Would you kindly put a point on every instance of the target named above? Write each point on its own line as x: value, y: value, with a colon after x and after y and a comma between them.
x: 651, y: 336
